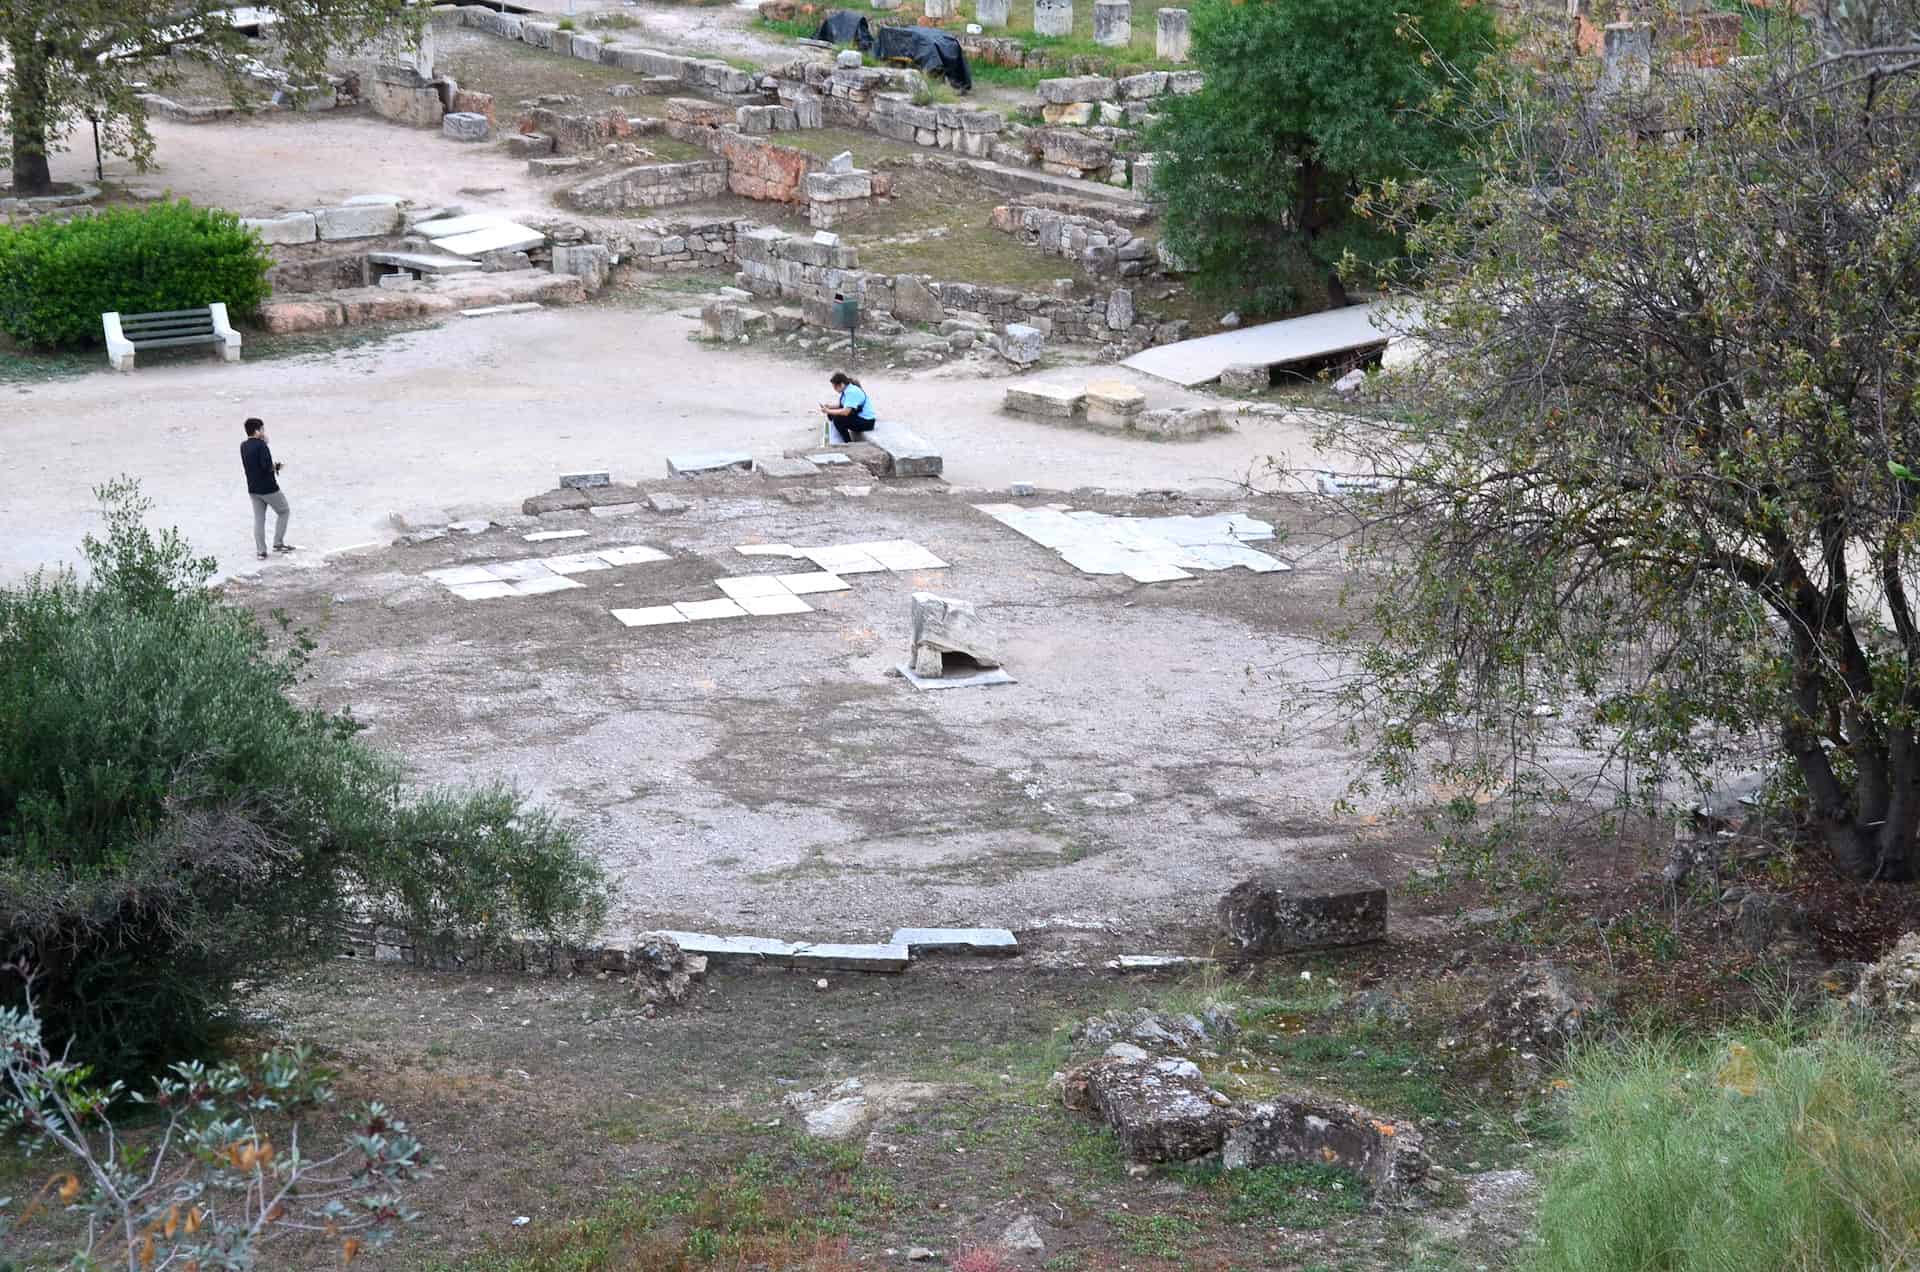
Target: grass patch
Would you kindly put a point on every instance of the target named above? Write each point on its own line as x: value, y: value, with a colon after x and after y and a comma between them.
x: 1773, y: 1146
x: 1154, y: 1236
x: 1303, y: 1197
x: 792, y: 28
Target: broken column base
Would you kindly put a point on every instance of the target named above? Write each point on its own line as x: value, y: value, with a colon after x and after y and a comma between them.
x: 1281, y: 912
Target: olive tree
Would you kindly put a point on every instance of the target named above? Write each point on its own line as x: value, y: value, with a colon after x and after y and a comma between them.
x: 1654, y: 467
x: 64, y: 60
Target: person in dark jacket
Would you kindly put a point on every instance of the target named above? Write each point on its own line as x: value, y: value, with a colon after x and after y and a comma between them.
x: 263, y: 487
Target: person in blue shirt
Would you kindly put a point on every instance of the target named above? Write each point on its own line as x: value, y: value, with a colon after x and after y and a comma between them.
x: 853, y: 414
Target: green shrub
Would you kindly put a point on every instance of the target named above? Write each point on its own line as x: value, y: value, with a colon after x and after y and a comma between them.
x: 58, y: 277
x: 1757, y: 1150
x: 172, y: 822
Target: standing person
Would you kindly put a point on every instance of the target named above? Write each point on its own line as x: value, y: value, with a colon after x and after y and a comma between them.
x: 263, y: 487
x: 853, y: 413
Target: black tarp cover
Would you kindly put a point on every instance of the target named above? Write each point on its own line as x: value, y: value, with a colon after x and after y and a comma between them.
x: 842, y: 27
x: 926, y: 48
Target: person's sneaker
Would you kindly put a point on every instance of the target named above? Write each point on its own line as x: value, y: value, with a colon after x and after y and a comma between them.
x: 284, y: 547
x: 263, y: 556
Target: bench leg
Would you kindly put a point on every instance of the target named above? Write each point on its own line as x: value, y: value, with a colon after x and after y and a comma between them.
x: 120, y: 361
x: 230, y: 351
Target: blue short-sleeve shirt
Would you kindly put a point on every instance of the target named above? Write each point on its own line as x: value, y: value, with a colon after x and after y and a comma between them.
x: 855, y: 399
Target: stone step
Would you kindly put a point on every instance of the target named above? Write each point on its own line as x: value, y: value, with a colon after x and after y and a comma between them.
x: 996, y: 942
x: 909, y: 454
x: 807, y: 955
x: 424, y: 262
x: 693, y: 463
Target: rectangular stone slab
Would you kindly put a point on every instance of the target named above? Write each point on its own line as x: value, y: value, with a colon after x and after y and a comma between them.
x: 505, y: 237
x: 582, y: 481
x: 424, y: 262
x: 695, y: 462
x: 910, y: 454
x: 1281, y: 911
x: 852, y: 958
x: 735, y: 949
x: 973, y: 680
x: 447, y: 226
x: 779, y: 466
x: 997, y: 942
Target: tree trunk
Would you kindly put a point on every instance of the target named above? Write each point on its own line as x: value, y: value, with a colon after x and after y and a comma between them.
x: 31, y: 175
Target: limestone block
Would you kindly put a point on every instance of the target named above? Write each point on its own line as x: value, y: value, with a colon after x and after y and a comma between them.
x: 300, y: 315
x: 1147, y: 84
x: 1075, y: 88
x: 1184, y: 83
x: 528, y: 145
x: 1053, y: 17
x: 417, y: 106
x: 1277, y: 913
x: 465, y: 126
x: 1246, y: 377
x: 1070, y: 114
x: 589, y: 262
x: 1173, y: 35
x: 1066, y: 148
x: 1119, y: 309
x: 940, y: 10
x: 538, y: 35
x: 1626, y: 58
x: 1160, y: 1110
x: 691, y: 110
x: 992, y: 14
x: 848, y: 59
x: 1294, y: 1130
x: 294, y: 227
x: 832, y: 186
x: 1047, y: 401
x: 1140, y: 169
x: 367, y: 221
x: 1113, y: 23
x: 722, y: 321
x: 467, y: 102
x: 1020, y: 344
x: 949, y: 633
x: 913, y: 301
x: 1114, y: 403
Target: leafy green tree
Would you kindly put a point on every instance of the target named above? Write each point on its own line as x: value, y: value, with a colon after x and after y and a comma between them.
x: 61, y: 59
x: 1305, y: 102
x: 173, y: 822
x: 1643, y: 475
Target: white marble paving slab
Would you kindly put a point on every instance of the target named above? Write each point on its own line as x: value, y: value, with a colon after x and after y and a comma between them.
x: 544, y: 536
x: 579, y: 563
x: 517, y: 571
x: 458, y: 574
x: 902, y: 554
x: 636, y: 554
x: 649, y: 616
x: 819, y: 581
x: 843, y: 560
x: 697, y: 611
x: 488, y: 591
x: 753, y: 585
x: 769, y: 549
x: 767, y: 606
x: 537, y: 587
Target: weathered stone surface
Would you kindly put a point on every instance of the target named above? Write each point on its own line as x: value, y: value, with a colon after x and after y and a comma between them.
x: 838, y: 185
x: 589, y: 262
x: 691, y: 110
x: 1022, y: 1236
x: 1113, y: 23
x: 695, y: 463
x: 1179, y: 421
x: 1350, y: 383
x: 1160, y: 1110
x: 907, y: 453
x: 1020, y: 344
x: 848, y: 1109
x: 300, y: 315
x: 660, y: 968
x: 555, y: 501
x: 1053, y: 17
x: 1076, y: 88
x: 465, y: 126
x: 1146, y: 84
x: 992, y: 14
x: 1068, y: 148
x: 1173, y: 35
x: 1246, y: 377
x: 417, y: 106
x: 1388, y: 1154
x: 466, y: 101
x: 949, y: 633
x: 1070, y: 114
x: 1893, y: 984
x: 586, y: 480
x: 723, y: 322
x: 528, y: 145
x: 1276, y: 913
x: 1190, y: 1033
x: 293, y: 227
x: 783, y: 468
x: 995, y: 942
x: 650, y: 186
x: 364, y: 221
x: 828, y: 956
x: 1119, y: 309
x: 1114, y: 403
x: 1536, y: 1014
x: 660, y: 501
x: 1047, y: 401
x: 913, y: 301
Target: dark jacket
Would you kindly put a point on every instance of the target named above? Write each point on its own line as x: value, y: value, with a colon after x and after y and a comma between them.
x: 258, y: 461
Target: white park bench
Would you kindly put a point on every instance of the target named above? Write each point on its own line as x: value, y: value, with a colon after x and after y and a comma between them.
x: 127, y: 334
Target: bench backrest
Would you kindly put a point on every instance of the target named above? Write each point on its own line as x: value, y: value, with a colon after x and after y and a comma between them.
x: 167, y: 326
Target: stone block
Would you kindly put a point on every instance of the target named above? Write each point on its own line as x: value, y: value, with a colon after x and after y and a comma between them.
x: 783, y: 468
x: 1113, y: 23
x: 660, y: 501
x: 723, y: 322
x: 1173, y: 35
x: 1119, y: 309
x: 948, y: 633
x: 293, y: 227
x: 1020, y: 344
x: 366, y: 221
x: 992, y: 14
x: 1114, y: 403
x: 1278, y: 913
x: 1246, y: 377
x: 834, y: 186
x: 914, y: 301
x: 585, y: 481
x: 993, y: 942
x: 467, y: 102
x: 692, y: 464
x: 1297, y: 1131
x: 300, y: 315
x: 1160, y: 1110
x: 465, y: 126
x: 940, y: 10
x: 528, y: 145
x: 691, y: 110
x: 848, y: 59
x: 907, y: 454
x: 416, y: 106
x: 1076, y: 88
x: 1045, y: 401
x: 553, y: 167
x: 1072, y: 150
x: 589, y: 262
x: 1070, y: 114
x: 1053, y: 17
x: 1626, y: 58
x: 1184, y: 83
x: 851, y: 958
x: 1135, y: 88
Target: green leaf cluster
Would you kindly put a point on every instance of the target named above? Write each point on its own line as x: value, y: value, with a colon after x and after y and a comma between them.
x: 58, y: 277
x: 1305, y: 104
x: 173, y: 822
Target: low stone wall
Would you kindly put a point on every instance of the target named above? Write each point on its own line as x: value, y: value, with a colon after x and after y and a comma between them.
x: 674, y: 246
x: 881, y: 99
x: 575, y: 133
x: 606, y: 49
x: 655, y: 185
x: 1096, y: 246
